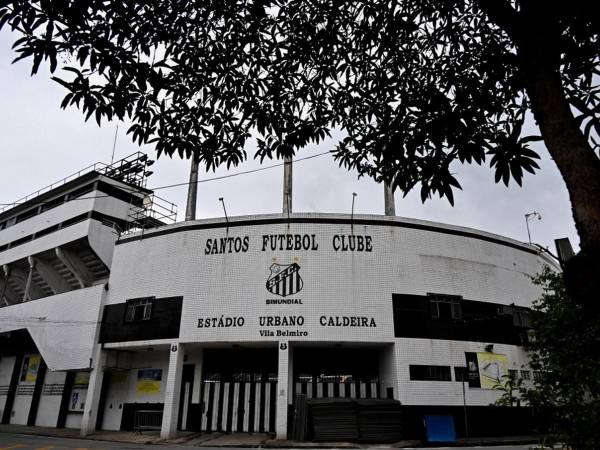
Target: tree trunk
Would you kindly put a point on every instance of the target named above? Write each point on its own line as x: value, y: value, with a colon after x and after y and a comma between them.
x: 575, y: 159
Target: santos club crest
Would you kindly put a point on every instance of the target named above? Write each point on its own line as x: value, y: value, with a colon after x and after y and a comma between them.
x: 284, y: 280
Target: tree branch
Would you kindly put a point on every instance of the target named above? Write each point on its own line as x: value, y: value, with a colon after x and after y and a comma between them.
x: 504, y: 16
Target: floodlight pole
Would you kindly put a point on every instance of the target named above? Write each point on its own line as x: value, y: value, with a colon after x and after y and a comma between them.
x: 190, y: 210
x: 528, y: 217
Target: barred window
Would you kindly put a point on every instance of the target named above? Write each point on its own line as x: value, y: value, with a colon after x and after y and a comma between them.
x: 430, y: 373
x: 138, y: 309
x: 445, y: 306
x: 526, y: 374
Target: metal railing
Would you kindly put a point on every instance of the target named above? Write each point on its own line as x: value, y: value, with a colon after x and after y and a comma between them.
x: 147, y: 420
x: 96, y: 167
x: 132, y: 169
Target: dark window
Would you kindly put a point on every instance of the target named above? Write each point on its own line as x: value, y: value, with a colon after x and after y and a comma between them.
x: 27, y: 214
x: 53, y: 203
x: 439, y: 316
x: 430, y: 373
x: 46, y: 231
x: 21, y: 241
x: 521, y: 317
x: 74, y: 220
x: 513, y: 374
x: 81, y: 191
x: 163, y: 323
x: 460, y: 374
x: 445, y: 307
x: 138, y: 309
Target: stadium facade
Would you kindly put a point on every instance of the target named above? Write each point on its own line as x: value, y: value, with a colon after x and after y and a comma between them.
x: 111, y: 311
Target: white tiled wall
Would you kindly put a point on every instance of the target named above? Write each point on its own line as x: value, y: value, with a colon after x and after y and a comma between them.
x: 62, y: 326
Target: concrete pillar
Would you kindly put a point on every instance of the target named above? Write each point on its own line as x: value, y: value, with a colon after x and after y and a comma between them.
x: 388, y: 372
x: 172, y: 392
x: 388, y: 195
x: 190, y: 209
x: 287, y: 185
x: 198, y: 359
x: 29, y: 281
x: 283, y: 373
x: 92, y: 401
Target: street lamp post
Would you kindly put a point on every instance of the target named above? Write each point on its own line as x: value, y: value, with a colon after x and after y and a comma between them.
x: 528, y: 217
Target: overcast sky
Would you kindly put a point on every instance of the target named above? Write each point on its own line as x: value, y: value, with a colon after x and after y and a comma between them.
x: 40, y: 144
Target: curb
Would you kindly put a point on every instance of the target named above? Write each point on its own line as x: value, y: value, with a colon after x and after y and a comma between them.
x: 289, y: 445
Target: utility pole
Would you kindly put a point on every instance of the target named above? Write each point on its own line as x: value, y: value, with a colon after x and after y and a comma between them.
x: 287, y: 185
x: 190, y: 210
x: 462, y: 382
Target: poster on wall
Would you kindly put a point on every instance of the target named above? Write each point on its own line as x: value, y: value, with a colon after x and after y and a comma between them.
x: 82, y: 378
x: 492, y: 368
x: 148, y: 381
x: 31, y: 365
x: 74, y: 400
x: 472, y: 370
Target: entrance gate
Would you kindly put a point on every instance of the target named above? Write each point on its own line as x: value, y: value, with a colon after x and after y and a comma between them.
x: 239, y: 406
x: 239, y: 390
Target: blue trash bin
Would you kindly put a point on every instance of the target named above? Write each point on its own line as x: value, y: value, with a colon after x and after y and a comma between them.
x: 440, y: 428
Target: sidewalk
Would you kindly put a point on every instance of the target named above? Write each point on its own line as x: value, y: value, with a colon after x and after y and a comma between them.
x: 245, y: 440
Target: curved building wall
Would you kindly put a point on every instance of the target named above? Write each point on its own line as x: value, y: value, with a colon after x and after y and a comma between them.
x: 345, y: 295
x: 399, y: 307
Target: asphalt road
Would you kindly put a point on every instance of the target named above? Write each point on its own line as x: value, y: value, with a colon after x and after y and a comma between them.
x: 26, y: 442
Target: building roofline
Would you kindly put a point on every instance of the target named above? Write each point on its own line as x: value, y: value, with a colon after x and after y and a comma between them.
x: 333, y: 219
x: 64, y: 189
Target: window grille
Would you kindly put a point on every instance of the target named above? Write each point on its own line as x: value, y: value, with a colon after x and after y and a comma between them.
x: 445, y: 306
x: 138, y: 309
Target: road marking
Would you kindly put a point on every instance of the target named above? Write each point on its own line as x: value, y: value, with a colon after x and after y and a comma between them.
x: 12, y: 446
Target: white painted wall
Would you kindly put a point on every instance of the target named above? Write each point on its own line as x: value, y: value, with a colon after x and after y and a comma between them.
x: 125, y: 391
x: 6, y: 369
x: 446, y: 353
x: 65, y: 334
x: 49, y: 406
x: 22, y: 402
x: 73, y: 420
x: 403, y: 260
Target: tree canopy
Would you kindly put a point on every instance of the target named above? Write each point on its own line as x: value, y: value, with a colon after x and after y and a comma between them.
x: 566, y: 357
x: 415, y: 85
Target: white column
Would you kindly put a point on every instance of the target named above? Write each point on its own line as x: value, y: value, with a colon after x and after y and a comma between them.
x: 198, y: 359
x: 388, y: 371
x: 90, y: 411
x: 282, y: 390
x: 172, y: 392
x: 287, y: 185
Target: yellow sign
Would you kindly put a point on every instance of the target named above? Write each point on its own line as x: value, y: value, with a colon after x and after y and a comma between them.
x: 148, y: 381
x: 82, y: 378
x: 33, y: 367
x: 492, y: 368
